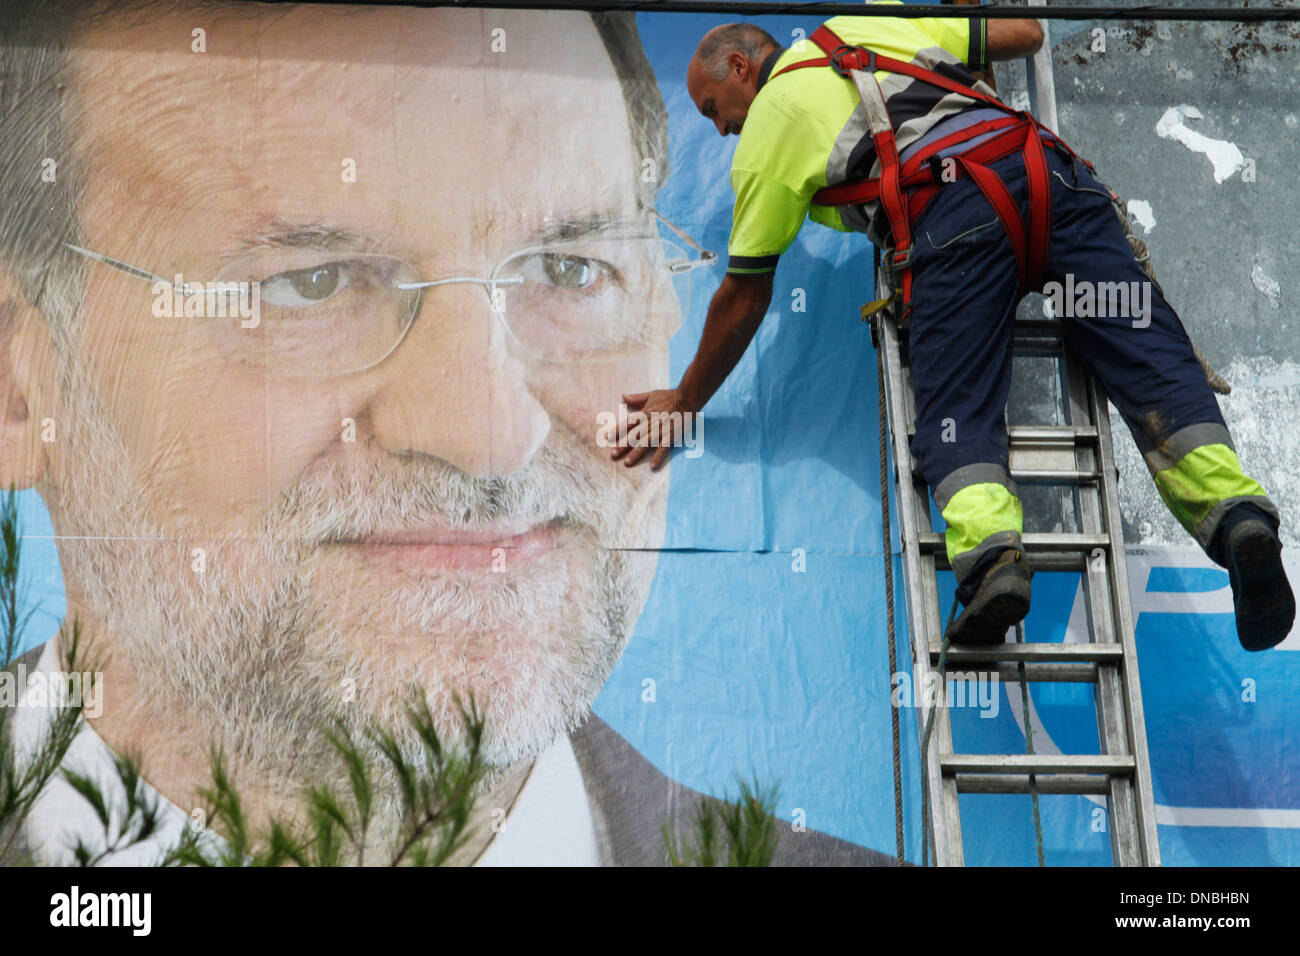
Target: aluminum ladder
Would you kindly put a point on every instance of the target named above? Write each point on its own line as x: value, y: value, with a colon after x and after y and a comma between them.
x: 1077, y: 457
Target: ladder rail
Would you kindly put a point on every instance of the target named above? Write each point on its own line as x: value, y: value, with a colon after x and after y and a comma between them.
x: 1108, y: 693
x: 1108, y: 492
x: 944, y: 828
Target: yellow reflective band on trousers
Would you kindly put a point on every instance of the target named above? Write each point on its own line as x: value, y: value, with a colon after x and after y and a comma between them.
x: 1201, y: 479
x: 977, y: 511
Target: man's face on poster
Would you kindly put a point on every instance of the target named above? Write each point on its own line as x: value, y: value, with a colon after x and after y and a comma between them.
x: 384, y: 483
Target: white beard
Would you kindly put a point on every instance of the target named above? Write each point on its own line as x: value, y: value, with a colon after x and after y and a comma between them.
x: 266, y: 645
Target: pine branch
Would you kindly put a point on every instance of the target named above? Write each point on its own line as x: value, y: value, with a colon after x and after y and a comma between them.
x: 741, y: 831
x: 437, y: 801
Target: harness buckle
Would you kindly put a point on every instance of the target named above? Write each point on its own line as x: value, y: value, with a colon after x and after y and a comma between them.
x: 842, y: 51
x: 895, y: 263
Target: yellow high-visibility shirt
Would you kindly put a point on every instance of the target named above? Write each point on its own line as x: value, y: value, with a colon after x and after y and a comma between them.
x: 806, y: 129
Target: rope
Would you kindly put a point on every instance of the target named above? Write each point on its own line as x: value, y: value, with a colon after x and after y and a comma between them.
x: 1029, y: 749
x: 889, y: 604
x: 925, y: 740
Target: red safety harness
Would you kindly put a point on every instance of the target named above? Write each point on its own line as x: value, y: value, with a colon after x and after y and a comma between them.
x: 1016, y: 131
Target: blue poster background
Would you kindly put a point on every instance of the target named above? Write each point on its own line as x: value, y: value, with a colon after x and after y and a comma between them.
x: 760, y: 669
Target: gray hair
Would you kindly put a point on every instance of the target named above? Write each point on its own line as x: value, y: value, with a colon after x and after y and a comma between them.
x: 747, y: 39
x: 40, y: 121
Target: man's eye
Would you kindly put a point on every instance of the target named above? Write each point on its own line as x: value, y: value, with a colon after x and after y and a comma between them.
x: 303, y: 287
x: 571, y: 272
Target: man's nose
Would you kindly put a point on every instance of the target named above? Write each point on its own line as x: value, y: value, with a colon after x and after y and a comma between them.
x: 454, y: 391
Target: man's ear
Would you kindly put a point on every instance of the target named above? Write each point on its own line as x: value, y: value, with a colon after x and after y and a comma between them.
x: 27, y: 387
x: 739, y: 64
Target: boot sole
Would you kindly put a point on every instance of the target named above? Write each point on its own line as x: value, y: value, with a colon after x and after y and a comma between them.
x: 985, y: 620
x: 1263, y: 597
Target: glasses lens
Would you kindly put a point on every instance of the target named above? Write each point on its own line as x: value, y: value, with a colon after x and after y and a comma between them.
x: 317, y: 313
x: 587, y: 298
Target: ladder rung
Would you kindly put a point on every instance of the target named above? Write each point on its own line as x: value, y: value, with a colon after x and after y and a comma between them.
x: 1043, y: 663
x: 1035, y: 543
x: 1049, y: 454
x: 1046, y: 672
x: 1038, y: 476
x: 1052, y: 476
x: 1044, y: 454
x: 1047, y: 552
x: 1051, y: 783
x: 1038, y: 337
x: 1052, y: 434
x: 1058, y: 435
x: 1105, y: 653
x: 1109, y: 764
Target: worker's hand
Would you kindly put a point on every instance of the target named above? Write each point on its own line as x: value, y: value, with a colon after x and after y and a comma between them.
x: 656, y: 431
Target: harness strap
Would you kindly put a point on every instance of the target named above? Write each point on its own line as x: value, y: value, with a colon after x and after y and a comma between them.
x: 915, y: 172
x: 882, y: 136
x: 995, y: 191
x: 845, y: 59
x: 1040, y: 209
x: 986, y: 152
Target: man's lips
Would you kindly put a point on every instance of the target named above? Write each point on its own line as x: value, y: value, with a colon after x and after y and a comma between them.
x: 497, y: 548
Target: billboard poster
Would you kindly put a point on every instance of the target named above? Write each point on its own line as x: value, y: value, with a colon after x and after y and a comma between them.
x: 317, y: 323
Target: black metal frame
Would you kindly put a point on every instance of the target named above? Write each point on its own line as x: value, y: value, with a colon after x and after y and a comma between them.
x: 822, y: 10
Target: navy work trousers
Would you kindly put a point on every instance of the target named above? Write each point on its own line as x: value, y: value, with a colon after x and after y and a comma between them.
x: 964, y: 298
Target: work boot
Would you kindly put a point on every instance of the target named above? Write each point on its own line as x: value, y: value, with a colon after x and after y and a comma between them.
x: 1261, y: 593
x: 1000, y: 601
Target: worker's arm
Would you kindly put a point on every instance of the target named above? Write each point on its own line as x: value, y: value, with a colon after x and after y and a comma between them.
x: 1013, y: 39
x: 734, y: 316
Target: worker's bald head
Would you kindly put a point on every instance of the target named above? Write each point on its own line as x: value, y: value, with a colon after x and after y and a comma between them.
x: 750, y: 41
x: 722, y: 77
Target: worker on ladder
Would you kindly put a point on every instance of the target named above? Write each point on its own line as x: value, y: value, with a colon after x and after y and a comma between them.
x: 880, y: 125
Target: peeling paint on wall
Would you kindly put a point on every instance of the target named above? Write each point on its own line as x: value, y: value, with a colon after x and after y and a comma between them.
x: 1226, y: 156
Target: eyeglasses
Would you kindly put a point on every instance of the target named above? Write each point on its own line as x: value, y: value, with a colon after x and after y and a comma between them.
x: 335, y: 313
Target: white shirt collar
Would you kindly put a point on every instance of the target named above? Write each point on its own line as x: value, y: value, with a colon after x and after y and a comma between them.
x: 550, y: 823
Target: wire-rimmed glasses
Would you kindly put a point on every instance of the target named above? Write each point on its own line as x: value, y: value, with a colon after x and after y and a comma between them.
x: 322, y: 313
